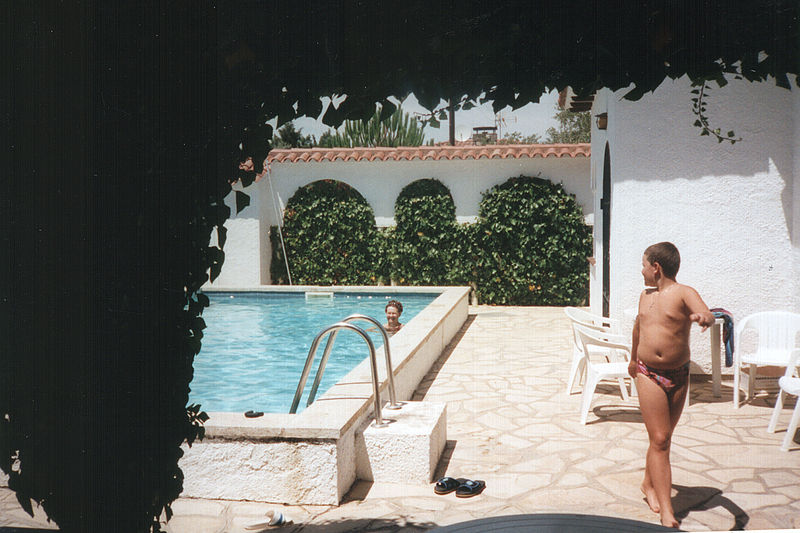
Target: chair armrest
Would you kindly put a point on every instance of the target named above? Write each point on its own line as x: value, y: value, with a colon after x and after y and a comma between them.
x: 618, y: 339
x: 613, y: 345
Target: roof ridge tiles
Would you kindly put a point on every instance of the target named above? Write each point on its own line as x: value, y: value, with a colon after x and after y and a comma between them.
x: 425, y: 153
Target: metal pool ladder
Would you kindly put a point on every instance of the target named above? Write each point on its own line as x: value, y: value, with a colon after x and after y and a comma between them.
x: 334, y: 330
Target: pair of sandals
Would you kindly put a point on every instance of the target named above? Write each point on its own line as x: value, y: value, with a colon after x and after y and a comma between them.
x: 464, y: 488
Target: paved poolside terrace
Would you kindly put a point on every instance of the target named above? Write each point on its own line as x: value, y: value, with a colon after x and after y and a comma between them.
x: 511, y: 423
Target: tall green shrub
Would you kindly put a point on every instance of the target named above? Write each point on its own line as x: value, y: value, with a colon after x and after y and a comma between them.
x: 531, y: 245
x: 330, y: 236
x: 424, y: 242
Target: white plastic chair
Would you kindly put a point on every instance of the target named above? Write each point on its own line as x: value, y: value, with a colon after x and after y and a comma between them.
x: 589, y: 320
x: 777, y: 333
x: 789, y: 384
x: 592, y: 340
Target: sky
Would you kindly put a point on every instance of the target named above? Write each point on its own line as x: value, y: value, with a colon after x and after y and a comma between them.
x: 532, y: 118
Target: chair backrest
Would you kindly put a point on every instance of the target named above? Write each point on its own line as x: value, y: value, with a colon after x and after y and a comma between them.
x: 602, y: 339
x: 585, y: 318
x: 776, y: 330
x: 794, y: 364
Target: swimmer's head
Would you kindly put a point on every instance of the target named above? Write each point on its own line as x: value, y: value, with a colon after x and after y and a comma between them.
x: 397, y: 305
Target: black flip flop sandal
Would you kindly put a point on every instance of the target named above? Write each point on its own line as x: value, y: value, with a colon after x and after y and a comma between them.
x: 470, y: 488
x: 446, y: 485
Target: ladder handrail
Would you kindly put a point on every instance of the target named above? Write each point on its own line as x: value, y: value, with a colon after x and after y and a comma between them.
x: 373, y: 364
x: 386, y: 350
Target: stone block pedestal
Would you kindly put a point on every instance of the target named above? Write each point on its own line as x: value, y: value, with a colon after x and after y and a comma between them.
x: 407, y: 450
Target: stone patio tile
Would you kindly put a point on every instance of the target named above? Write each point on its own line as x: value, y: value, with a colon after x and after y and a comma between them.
x: 508, y: 440
x: 509, y: 486
x: 758, y: 456
x: 551, y: 465
x: 726, y: 475
x: 714, y: 519
x: 14, y: 516
x: 594, y: 466
x: 432, y: 503
x: 197, y: 506
x: 747, y: 500
x: 624, y: 484
x: 195, y: 524
x: 590, y: 500
x: 572, y: 480
x: 495, y: 421
x: 747, y: 486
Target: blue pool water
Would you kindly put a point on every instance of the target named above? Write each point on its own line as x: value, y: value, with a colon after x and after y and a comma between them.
x: 255, y: 346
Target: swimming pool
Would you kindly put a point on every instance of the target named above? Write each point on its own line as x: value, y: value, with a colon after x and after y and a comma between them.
x: 313, y: 457
x: 255, y: 345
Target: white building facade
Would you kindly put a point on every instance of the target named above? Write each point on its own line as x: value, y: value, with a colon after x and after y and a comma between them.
x: 380, y: 174
x: 733, y: 211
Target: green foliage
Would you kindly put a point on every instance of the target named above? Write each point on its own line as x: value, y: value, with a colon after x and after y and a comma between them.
x: 700, y: 91
x: 423, y: 242
x: 531, y: 245
x: 572, y: 127
x: 399, y: 129
x: 516, y: 137
x: 330, y: 236
x: 289, y: 137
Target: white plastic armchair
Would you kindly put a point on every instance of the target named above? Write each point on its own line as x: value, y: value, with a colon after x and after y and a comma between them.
x: 791, y: 385
x: 589, y: 320
x: 593, y: 341
x: 777, y: 333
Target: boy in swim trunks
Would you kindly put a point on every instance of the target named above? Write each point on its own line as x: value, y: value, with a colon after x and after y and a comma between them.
x: 660, y: 364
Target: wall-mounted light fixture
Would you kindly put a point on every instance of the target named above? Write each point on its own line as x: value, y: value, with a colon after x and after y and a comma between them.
x: 602, y: 121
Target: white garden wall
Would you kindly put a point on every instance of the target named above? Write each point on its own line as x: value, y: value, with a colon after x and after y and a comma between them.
x: 247, y: 249
x: 732, y: 210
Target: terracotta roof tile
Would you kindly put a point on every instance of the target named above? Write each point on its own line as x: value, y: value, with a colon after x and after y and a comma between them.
x: 429, y: 153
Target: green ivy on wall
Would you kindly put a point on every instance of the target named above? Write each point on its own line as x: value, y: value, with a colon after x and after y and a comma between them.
x: 423, y: 242
x: 330, y: 236
x: 528, y: 247
x: 531, y: 245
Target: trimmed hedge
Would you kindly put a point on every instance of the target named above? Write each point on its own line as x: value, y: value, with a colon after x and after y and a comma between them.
x: 528, y: 247
x: 531, y: 245
x: 423, y: 244
x: 330, y: 237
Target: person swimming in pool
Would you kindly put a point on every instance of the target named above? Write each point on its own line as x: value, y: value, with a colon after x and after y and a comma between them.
x: 393, y: 311
x: 660, y: 364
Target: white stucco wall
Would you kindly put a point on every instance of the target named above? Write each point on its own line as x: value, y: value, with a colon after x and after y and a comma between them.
x: 245, y: 245
x: 247, y: 249
x: 732, y: 210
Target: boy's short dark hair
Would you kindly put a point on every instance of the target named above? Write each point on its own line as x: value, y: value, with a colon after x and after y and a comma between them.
x: 395, y: 304
x: 666, y: 255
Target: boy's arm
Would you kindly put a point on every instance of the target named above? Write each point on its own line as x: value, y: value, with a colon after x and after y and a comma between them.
x: 633, y: 363
x: 698, y: 310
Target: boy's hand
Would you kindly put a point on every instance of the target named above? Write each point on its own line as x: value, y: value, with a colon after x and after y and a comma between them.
x: 632, y: 368
x: 704, y: 319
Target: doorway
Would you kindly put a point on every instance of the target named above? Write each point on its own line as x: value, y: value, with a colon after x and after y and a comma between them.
x: 605, y: 207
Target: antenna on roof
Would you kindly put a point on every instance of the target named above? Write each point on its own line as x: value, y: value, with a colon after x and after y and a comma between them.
x: 500, y: 122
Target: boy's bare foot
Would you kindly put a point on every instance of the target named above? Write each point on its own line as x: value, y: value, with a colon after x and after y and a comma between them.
x: 668, y: 520
x: 650, y: 498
